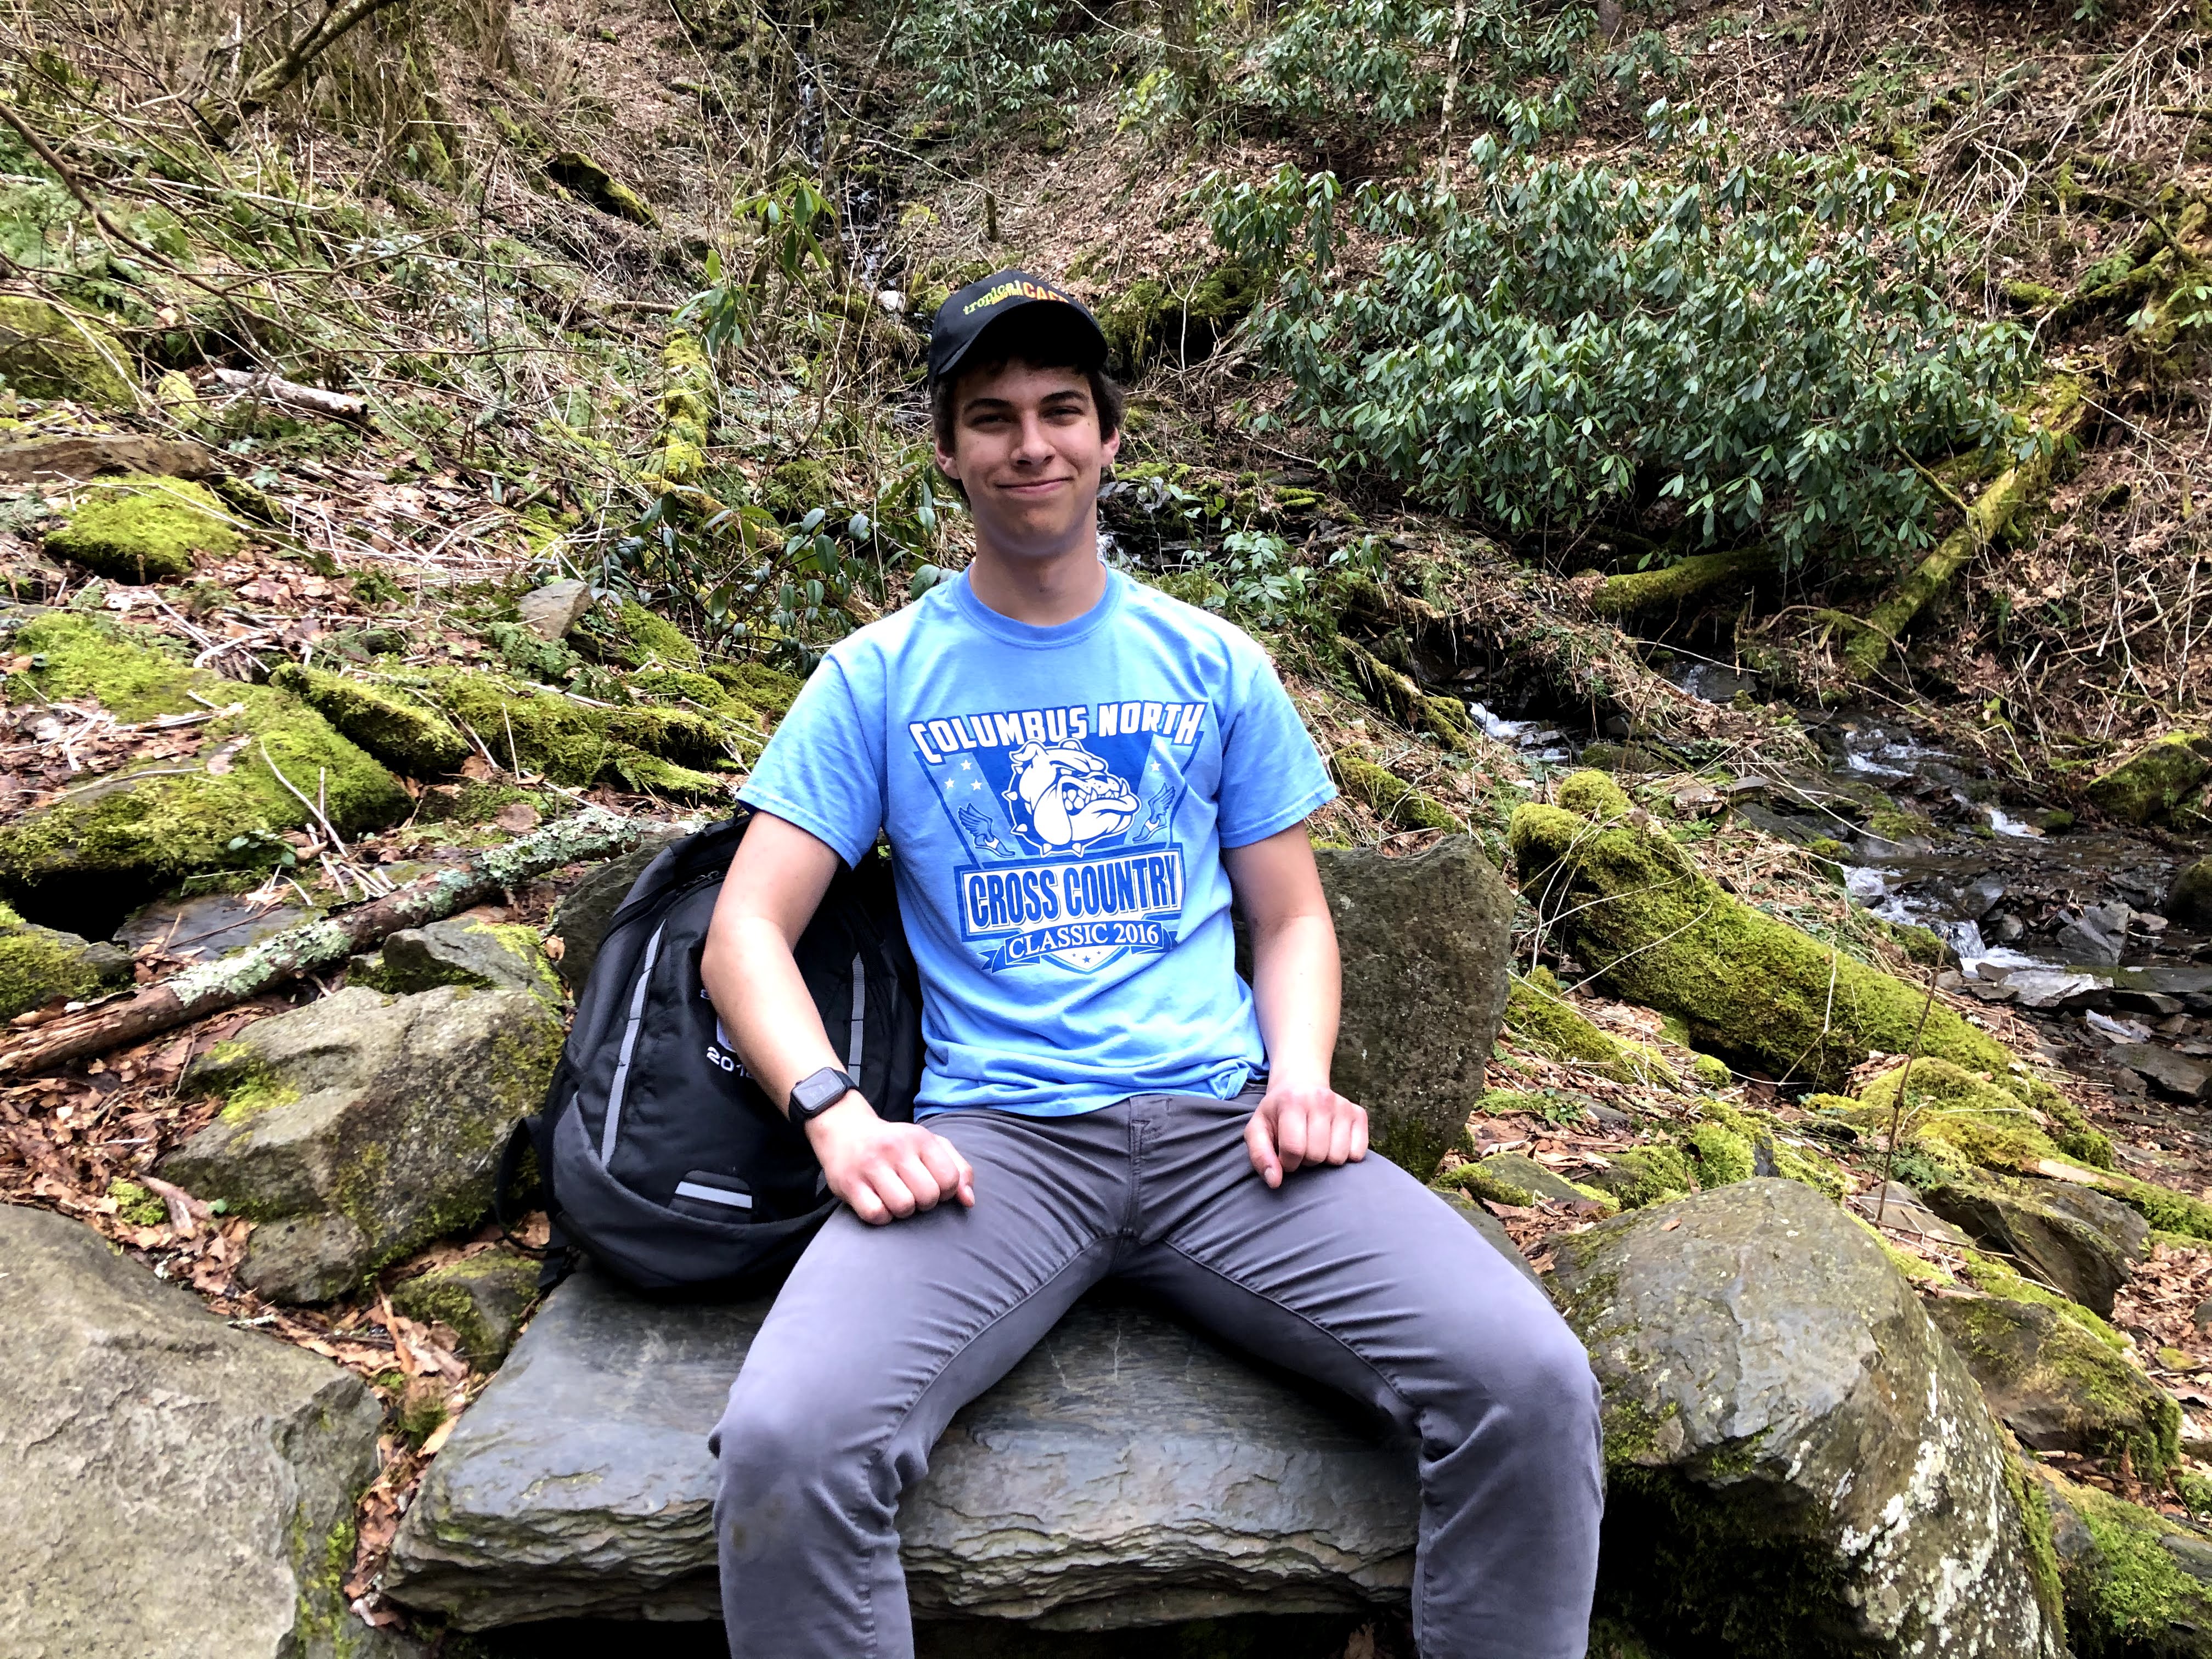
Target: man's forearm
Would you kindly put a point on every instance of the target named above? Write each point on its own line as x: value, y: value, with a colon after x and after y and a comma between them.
x: 772, y: 1023
x: 1296, y: 984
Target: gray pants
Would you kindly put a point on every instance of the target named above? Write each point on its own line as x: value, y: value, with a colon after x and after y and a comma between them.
x: 1356, y: 1277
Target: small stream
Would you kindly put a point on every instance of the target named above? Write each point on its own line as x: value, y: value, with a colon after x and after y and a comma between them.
x: 2062, y: 924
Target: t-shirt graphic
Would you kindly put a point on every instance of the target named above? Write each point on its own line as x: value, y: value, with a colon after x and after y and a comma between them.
x: 1066, y: 814
x: 1056, y: 800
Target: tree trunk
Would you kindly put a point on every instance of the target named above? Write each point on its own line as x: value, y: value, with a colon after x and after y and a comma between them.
x: 594, y: 833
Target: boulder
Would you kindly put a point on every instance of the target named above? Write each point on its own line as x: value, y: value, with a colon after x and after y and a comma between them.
x: 82, y: 455
x: 481, y: 1298
x: 143, y: 528
x: 175, y: 1486
x: 2137, y: 1585
x: 460, y: 951
x: 2188, y: 901
x: 1516, y: 1179
x: 1154, y: 1478
x: 359, y: 1128
x: 580, y: 920
x: 37, y: 965
x: 2076, y: 1239
x: 2155, y: 783
x: 1796, y: 1461
x: 2175, y: 1072
x: 2097, y: 936
x: 2059, y: 1387
x: 49, y: 351
x: 551, y: 611
x: 1426, y: 949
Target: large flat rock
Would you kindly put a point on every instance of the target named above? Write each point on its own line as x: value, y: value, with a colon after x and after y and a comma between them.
x: 1127, y: 1473
x: 170, y: 1488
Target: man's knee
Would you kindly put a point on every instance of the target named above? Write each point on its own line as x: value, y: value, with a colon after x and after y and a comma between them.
x: 771, y: 1448
x: 1534, y: 1383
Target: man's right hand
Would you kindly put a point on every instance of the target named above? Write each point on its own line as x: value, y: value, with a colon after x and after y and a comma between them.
x: 886, y: 1171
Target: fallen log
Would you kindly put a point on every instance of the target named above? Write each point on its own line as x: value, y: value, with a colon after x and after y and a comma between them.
x: 1991, y: 513
x: 209, y: 987
x: 291, y: 396
x: 1633, y: 591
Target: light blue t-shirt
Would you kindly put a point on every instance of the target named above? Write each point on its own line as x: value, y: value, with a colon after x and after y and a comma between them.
x: 1056, y: 800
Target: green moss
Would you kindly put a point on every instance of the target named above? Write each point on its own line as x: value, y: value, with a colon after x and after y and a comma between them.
x: 1389, y: 797
x: 2094, y: 1390
x: 796, y: 487
x: 2155, y: 781
x: 165, y: 822
x: 584, y: 174
x: 768, y: 691
x: 1486, y: 1184
x: 420, y: 1416
x: 139, y: 528
x: 1645, y: 1175
x: 1891, y: 824
x: 1711, y: 1073
x: 1721, y: 1155
x: 651, y: 775
x: 1675, y: 584
x: 38, y: 965
x: 401, y: 733
x: 1182, y: 319
x: 2039, y: 1545
x: 1959, y: 1117
x: 1748, y: 987
x: 1538, y: 1013
x: 655, y: 639
x: 135, y: 1205
x: 2130, y: 1595
x: 481, y: 1298
x: 47, y: 350
x: 687, y: 409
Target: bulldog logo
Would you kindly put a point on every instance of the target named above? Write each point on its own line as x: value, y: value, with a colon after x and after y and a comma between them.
x: 1072, y: 797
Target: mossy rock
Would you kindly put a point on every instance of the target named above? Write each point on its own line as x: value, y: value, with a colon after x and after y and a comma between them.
x: 1181, y: 321
x: 2137, y: 1585
x: 357, y: 1128
x: 1515, y: 1179
x: 481, y: 1298
x: 401, y: 733
x: 140, y: 528
x: 1756, y: 991
x: 49, y: 351
x: 2158, y: 781
x: 590, y: 180
x: 39, y: 965
x: 575, y: 743
x: 652, y: 639
x: 1537, y: 1012
x: 1390, y: 797
x: 135, y: 1205
x: 769, y: 691
x: 132, y: 832
x: 2059, y: 1388
x: 1645, y: 1175
x: 460, y: 951
x: 796, y: 487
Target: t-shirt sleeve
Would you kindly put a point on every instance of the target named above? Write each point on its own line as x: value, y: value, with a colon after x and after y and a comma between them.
x: 823, y: 768
x: 1271, y: 776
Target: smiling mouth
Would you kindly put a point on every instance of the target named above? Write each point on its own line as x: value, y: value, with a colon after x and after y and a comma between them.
x: 1033, y: 486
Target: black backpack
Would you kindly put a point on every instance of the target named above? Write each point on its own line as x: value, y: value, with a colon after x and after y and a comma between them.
x: 657, y: 1155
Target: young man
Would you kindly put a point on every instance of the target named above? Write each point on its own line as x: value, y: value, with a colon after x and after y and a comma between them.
x: 1076, y: 772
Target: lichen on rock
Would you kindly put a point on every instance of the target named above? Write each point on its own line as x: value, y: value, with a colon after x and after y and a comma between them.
x: 139, y: 528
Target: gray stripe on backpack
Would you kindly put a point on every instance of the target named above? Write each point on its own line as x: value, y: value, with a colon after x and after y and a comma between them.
x: 860, y: 1015
x: 628, y: 1048
x: 714, y: 1195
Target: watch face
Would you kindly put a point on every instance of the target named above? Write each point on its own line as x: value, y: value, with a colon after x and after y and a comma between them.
x: 816, y: 1094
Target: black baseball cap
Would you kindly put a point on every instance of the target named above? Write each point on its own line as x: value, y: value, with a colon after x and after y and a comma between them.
x: 982, y: 305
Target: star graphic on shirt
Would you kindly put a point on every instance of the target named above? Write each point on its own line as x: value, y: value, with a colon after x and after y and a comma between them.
x: 966, y: 766
x: 977, y: 784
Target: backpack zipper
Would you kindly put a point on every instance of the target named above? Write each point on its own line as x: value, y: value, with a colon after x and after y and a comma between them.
x: 613, y: 1124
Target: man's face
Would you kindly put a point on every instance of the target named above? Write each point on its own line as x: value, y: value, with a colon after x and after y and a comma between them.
x: 1026, y: 447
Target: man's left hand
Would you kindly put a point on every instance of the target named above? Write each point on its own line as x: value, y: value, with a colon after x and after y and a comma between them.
x: 1295, y: 1126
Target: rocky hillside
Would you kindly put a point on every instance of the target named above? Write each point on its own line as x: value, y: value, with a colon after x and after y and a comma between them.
x: 1731, y: 471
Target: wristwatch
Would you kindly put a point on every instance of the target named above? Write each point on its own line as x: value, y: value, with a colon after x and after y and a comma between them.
x: 811, y: 1096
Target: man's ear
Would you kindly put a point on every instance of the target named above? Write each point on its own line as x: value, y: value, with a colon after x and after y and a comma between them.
x: 1110, y: 449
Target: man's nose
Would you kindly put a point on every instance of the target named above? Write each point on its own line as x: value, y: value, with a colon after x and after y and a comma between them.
x: 1031, y: 448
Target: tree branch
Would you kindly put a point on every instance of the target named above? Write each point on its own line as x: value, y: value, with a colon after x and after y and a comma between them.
x: 271, y: 83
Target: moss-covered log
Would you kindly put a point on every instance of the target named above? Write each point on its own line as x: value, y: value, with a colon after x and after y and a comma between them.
x: 1389, y: 796
x: 1656, y: 930
x: 2057, y: 415
x: 594, y: 833
x: 1633, y: 591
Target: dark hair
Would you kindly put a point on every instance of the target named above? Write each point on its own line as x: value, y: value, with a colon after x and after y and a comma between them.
x: 1019, y: 339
